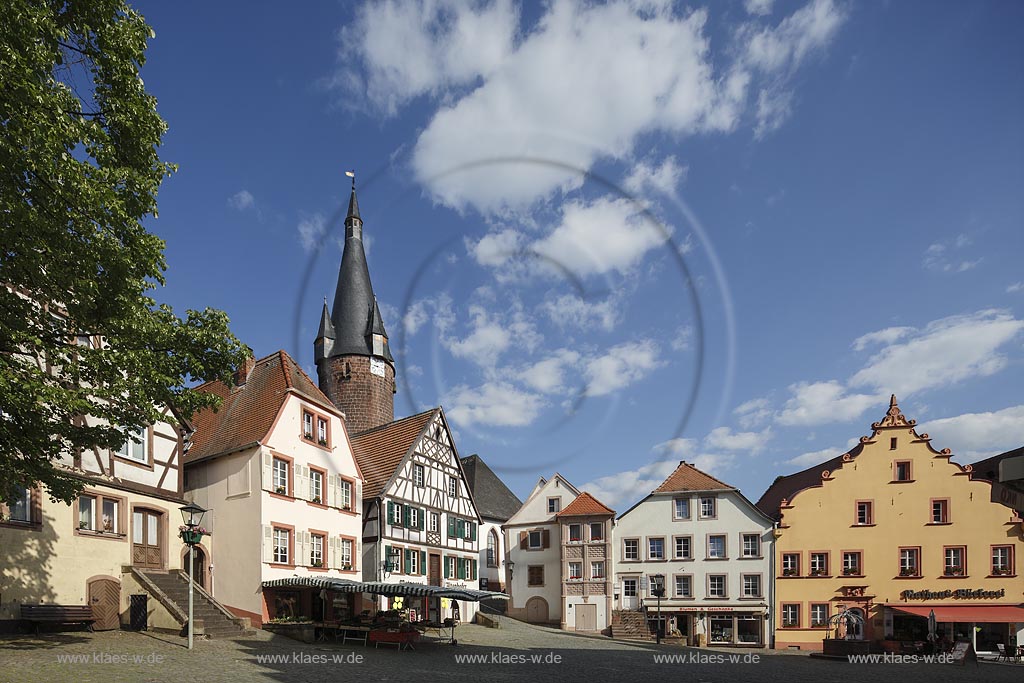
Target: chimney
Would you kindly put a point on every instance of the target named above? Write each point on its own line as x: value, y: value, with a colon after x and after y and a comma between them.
x: 243, y: 370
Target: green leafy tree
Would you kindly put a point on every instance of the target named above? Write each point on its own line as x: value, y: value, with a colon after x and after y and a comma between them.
x: 79, y: 173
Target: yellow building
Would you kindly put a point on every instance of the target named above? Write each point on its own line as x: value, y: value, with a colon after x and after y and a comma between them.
x: 891, y: 531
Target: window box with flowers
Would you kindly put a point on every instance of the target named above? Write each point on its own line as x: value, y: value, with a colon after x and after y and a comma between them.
x: 192, y: 535
x: 316, y: 499
x: 819, y: 572
x: 322, y: 442
x: 908, y: 571
x: 790, y: 572
x: 954, y: 571
x: 851, y: 571
x: 281, y: 490
x: 789, y: 623
x: 317, y: 563
x: 1002, y: 572
x: 346, y: 567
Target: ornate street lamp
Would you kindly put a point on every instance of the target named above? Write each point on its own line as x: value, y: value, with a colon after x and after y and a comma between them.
x: 390, y: 562
x: 191, y: 533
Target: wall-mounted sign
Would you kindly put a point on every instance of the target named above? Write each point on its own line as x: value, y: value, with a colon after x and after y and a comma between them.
x: 958, y: 594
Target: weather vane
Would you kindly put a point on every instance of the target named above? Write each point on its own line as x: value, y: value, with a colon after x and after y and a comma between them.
x: 352, y: 175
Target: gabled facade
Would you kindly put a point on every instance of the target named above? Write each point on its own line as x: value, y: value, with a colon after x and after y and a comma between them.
x: 585, y: 528
x: 712, y: 549
x: 420, y: 520
x: 274, y: 467
x: 890, y: 532
x: 496, y: 504
x: 83, y: 554
x: 533, y: 545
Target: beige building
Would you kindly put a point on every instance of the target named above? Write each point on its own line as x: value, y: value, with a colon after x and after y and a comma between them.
x: 90, y: 552
x: 274, y: 467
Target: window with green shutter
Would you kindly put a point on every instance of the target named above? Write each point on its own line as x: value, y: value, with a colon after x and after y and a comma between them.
x: 408, y: 561
x: 422, y: 516
x: 405, y: 515
x: 472, y: 565
x: 423, y: 562
x: 460, y: 528
x: 391, y: 511
x: 387, y: 558
x: 462, y: 568
x: 451, y: 527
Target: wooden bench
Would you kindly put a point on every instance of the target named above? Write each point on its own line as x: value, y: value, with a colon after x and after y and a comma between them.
x: 58, y: 614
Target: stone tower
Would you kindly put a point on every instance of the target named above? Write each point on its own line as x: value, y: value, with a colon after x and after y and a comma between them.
x: 354, y: 364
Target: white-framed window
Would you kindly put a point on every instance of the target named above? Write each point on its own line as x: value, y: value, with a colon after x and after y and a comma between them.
x: 414, y: 560
x: 95, y: 513
x: 20, y: 507
x: 940, y: 511
x: 684, y: 586
x: 791, y: 615
x: 683, y: 547
x: 316, y: 486
x: 631, y: 549
x: 597, y: 531
x: 282, y: 538
x: 418, y: 475
x: 819, y: 564
x: 492, y: 549
x: 346, y: 494
x: 597, y: 570
x: 751, y: 585
x: 656, y: 549
x: 819, y: 614
x: 865, y: 512
x: 910, y: 561
x: 280, y: 478
x: 307, y: 425
x: 954, y: 561
x: 629, y: 587
x: 87, y: 513
x: 316, y: 550
x: 851, y: 563
x: 716, y: 585
x: 575, y: 571
x: 716, y: 547
x: 707, y: 507
x: 321, y: 430
x: 751, y: 545
x: 791, y: 564
x: 1002, y: 559
x: 434, y: 522
x: 135, y: 447
x: 554, y: 505
x: 396, y: 515
x: 535, y: 540
x: 453, y: 567
x: 453, y: 487
x: 346, y: 553
x: 414, y: 518
x: 575, y: 533
x: 681, y: 508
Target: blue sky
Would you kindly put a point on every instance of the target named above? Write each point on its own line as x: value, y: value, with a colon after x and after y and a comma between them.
x: 607, y: 237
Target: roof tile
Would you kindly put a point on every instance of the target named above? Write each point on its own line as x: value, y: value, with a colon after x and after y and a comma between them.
x: 379, y: 451
x: 686, y: 477
x: 585, y: 505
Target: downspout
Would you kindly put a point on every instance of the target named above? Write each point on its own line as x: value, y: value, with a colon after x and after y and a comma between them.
x: 771, y: 588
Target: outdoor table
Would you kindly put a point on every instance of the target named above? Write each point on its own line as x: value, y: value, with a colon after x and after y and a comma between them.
x: 402, y: 639
x: 351, y: 632
x: 445, y: 632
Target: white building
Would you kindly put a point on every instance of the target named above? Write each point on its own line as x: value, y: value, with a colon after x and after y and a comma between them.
x: 713, y: 549
x: 274, y: 466
x: 585, y: 527
x: 496, y: 504
x: 420, y: 520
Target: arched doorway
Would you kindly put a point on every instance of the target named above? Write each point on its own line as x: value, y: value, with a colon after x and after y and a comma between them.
x: 537, y: 610
x: 200, y: 565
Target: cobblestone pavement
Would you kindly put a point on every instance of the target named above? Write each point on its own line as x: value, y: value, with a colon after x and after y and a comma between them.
x: 515, y: 652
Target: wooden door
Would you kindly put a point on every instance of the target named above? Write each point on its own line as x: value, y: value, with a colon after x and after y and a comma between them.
x: 434, y: 575
x: 105, y: 599
x: 586, y: 617
x: 198, y: 566
x: 536, y: 610
x: 147, y: 547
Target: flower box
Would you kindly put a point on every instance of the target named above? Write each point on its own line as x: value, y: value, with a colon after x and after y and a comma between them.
x: 851, y: 571
x: 789, y: 572
x: 316, y: 499
x: 281, y: 490
x: 323, y: 442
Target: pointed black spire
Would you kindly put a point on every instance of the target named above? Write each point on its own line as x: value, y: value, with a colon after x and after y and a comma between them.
x: 326, y: 330
x: 353, y: 205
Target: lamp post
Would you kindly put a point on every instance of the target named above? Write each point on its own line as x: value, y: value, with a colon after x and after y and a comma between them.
x: 658, y: 590
x: 391, y: 559
x: 192, y: 516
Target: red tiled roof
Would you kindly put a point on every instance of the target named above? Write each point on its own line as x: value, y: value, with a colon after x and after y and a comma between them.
x: 379, y: 451
x: 585, y: 505
x: 247, y: 412
x: 686, y: 477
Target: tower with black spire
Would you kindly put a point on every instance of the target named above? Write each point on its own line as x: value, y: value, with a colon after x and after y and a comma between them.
x: 354, y: 365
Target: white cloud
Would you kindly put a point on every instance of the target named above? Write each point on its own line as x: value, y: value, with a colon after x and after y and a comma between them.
x: 570, y: 310
x: 620, y: 366
x: 774, y: 106
x: 410, y: 49
x: 758, y: 7
x: 623, y: 489
x: 488, y: 340
x: 1015, y: 287
x: 947, y: 351
x: 814, y: 457
x: 679, y: 448
x: 753, y: 413
x: 886, y: 336
x: 821, y: 402
x: 415, y: 316
x: 974, y: 436
x: 548, y: 375
x: 242, y: 200
x: 311, y: 231
x: 944, y: 257
x: 682, y: 338
x: 664, y: 178
x: 725, y: 439
x: 599, y: 237
x: 496, y: 404
x: 496, y: 248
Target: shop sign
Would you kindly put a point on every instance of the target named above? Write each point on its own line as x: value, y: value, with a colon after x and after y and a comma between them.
x: 455, y: 584
x: 958, y: 594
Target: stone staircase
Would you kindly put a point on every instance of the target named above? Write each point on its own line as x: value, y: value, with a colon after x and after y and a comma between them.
x: 630, y: 625
x: 211, y: 618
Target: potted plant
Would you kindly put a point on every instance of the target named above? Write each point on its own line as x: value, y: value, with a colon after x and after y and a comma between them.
x: 317, y: 563
x: 83, y: 525
x: 1001, y: 572
x: 908, y: 571
x: 191, y: 535
x: 818, y: 572
x: 954, y: 570
x: 316, y: 499
x: 281, y: 490
x: 347, y: 567
x: 789, y: 572
x: 851, y: 571
x: 346, y: 507
x: 323, y: 442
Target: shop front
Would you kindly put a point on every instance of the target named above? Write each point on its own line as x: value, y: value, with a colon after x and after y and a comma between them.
x: 985, y: 626
x: 722, y: 626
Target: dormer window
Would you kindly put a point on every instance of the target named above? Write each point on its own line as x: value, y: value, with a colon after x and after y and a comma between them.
x: 379, y: 340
